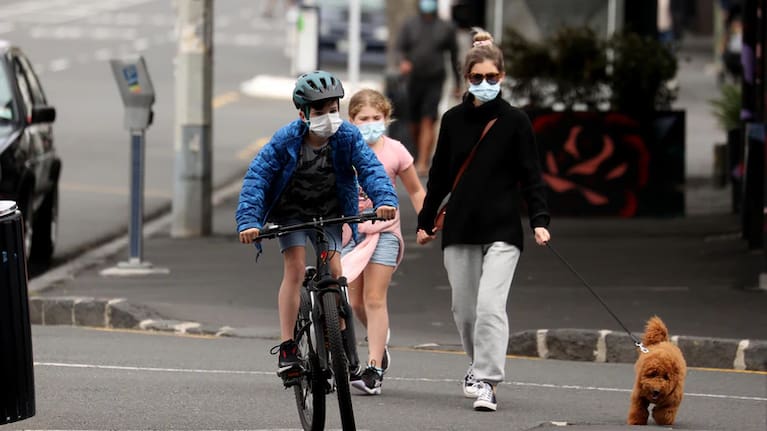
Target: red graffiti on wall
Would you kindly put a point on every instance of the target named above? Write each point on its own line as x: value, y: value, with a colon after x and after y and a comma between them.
x: 593, y: 163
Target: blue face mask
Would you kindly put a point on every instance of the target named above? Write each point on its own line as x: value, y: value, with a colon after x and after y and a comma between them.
x: 372, y: 131
x: 428, y: 6
x: 485, y: 92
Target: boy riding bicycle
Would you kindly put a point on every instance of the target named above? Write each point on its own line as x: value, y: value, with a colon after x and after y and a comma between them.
x: 309, y: 169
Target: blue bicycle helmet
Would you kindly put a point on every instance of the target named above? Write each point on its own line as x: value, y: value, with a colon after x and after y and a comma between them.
x: 314, y: 86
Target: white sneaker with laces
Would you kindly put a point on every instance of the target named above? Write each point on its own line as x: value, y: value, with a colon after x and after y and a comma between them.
x: 485, y: 401
x: 470, y: 384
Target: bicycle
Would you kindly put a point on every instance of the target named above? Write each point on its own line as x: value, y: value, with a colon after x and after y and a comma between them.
x: 327, y: 352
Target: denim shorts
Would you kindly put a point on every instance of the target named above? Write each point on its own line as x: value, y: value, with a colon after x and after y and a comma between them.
x: 386, y: 251
x: 300, y: 238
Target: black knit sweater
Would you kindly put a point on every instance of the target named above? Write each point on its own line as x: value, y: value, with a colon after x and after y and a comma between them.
x: 484, y: 207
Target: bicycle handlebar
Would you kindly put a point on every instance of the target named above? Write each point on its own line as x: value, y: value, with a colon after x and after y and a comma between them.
x: 274, y: 231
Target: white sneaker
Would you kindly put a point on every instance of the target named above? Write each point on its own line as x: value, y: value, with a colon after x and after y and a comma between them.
x: 470, y: 384
x: 485, y: 401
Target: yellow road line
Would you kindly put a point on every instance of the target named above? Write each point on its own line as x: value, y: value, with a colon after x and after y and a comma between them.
x: 251, y: 150
x: 457, y: 352
x: 225, y: 99
x: 150, y: 332
x: 111, y: 190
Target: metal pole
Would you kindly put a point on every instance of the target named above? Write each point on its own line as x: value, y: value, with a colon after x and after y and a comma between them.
x: 136, y: 225
x: 192, y: 208
x: 498, y: 24
x: 354, y: 42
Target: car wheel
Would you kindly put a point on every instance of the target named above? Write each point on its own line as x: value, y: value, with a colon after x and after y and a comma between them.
x: 45, y: 227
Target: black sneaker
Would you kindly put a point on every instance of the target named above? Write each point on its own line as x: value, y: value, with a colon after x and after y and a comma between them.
x: 288, y: 362
x: 370, y: 381
x: 486, y: 401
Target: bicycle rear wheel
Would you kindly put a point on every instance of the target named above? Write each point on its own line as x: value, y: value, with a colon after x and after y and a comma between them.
x: 339, y: 363
x: 311, y: 388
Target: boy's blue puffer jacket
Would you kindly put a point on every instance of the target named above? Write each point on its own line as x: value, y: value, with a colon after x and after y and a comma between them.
x: 271, y: 170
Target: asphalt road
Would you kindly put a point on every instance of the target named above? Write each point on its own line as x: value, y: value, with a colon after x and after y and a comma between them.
x: 91, y: 379
x: 71, y: 41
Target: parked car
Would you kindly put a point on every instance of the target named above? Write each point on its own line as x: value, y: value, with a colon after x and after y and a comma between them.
x: 29, y: 166
x: 334, y: 27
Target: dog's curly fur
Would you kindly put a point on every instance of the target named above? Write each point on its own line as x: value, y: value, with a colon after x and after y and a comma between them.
x: 660, y: 377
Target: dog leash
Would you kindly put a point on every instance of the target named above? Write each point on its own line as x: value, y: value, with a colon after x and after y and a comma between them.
x: 636, y: 341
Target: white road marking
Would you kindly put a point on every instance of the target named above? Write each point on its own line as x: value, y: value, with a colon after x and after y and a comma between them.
x: 59, y: 64
x: 402, y: 379
x: 60, y: 11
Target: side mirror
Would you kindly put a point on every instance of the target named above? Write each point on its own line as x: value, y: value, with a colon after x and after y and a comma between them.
x: 43, y: 114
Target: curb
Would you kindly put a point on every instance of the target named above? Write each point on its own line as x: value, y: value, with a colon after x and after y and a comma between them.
x: 563, y: 344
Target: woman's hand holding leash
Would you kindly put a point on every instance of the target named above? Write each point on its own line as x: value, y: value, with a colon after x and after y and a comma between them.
x: 542, y: 235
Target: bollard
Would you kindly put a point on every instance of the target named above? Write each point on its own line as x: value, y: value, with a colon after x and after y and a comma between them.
x: 17, y: 388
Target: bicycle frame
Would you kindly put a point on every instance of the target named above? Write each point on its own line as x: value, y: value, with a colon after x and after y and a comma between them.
x: 331, y: 352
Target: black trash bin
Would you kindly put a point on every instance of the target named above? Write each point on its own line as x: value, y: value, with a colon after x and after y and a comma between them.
x: 17, y: 387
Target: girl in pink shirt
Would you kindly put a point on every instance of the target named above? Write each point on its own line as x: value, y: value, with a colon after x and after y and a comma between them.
x: 369, y: 263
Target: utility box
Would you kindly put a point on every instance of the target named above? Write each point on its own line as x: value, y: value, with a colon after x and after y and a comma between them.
x: 17, y: 383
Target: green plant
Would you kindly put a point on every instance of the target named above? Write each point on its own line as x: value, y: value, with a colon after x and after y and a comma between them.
x: 579, y: 66
x: 528, y: 64
x: 641, y: 67
x: 726, y: 108
x: 574, y: 66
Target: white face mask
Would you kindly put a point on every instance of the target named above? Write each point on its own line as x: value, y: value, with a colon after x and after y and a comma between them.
x: 485, y: 92
x: 325, y: 125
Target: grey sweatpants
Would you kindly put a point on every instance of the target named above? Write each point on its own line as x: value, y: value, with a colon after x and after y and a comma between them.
x: 480, y: 277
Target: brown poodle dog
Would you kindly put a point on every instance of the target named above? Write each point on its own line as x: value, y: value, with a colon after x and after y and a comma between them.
x: 659, y: 377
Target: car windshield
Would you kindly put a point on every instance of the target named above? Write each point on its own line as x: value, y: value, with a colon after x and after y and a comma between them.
x: 367, y: 5
x: 6, y: 103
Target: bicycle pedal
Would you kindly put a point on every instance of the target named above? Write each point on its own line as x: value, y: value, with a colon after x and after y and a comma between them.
x: 292, y: 376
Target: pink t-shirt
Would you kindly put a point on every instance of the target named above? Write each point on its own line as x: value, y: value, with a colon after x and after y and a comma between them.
x: 394, y: 157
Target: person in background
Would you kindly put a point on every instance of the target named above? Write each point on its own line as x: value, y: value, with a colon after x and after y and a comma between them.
x: 732, y: 41
x: 421, y: 45
x: 482, y: 237
x: 369, y: 262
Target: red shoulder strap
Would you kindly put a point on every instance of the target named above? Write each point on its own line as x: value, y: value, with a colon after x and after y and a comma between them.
x: 473, y: 151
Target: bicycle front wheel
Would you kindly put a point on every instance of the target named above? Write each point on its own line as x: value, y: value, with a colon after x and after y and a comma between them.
x: 311, y: 388
x: 339, y: 363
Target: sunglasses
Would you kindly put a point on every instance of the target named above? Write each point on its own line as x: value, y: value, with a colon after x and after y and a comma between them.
x: 491, y: 78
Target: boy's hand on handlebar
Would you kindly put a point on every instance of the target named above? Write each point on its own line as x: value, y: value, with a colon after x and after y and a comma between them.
x: 542, y: 235
x: 249, y: 235
x: 422, y: 237
x: 386, y: 212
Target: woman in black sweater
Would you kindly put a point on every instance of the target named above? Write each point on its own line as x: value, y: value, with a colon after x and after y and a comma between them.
x: 482, y: 236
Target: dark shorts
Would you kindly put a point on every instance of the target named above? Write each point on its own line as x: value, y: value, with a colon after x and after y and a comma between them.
x: 424, y: 95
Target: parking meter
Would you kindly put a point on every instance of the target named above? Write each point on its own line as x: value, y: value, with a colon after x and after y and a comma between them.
x: 137, y: 95
x: 136, y: 91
